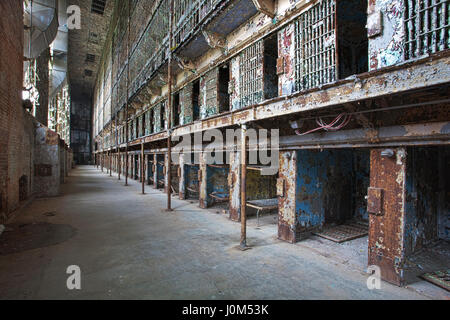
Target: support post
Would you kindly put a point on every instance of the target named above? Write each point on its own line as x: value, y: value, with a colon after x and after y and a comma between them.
x: 386, y: 206
x: 119, y: 160
x: 142, y: 167
x: 126, y: 105
x: 243, y: 244
x: 169, y: 120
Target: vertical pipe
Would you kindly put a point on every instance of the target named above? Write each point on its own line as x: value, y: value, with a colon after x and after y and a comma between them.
x: 243, y: 244
x: 142, y: 167
x: 119, y: 163
x: 126, y: 105
x: 170, y: 102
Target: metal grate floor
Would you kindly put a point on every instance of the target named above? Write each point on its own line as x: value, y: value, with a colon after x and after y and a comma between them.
x: 439, y: 278
x: 344, y: 232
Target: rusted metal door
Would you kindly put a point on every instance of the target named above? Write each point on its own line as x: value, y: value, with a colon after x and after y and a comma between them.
x: 386, y: 207
x: 286, y: 187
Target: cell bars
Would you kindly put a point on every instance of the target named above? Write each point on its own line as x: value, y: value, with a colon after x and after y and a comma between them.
x: 188, y: 14
x: 315, y: 46
x: 427, y: 27
x: 251, y: 74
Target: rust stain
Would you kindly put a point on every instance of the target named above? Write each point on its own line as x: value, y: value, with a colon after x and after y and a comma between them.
x: 386, y: 247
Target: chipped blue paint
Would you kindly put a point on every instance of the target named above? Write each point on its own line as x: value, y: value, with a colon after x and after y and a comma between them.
x: 324, y: 181
x: 216, y: 181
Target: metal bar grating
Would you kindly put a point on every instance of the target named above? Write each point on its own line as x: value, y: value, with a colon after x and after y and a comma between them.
x: 188, y: 14
x: 427, y: 27
x: 251, y: 74
x: 344, y: 232
x: 315, y: 46
x: 440, y: 278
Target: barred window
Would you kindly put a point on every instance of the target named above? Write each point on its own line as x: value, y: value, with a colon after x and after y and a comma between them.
x: 427, y: 27
x: 251, y: 74
x: 315, y: 46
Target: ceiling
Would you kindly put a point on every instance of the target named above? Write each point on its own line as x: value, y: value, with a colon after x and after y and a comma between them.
x: 89, y: 40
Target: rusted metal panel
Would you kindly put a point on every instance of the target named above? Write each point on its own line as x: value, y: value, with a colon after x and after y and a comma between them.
x: 386, y: 232
x: 371, y: 85
x: 324, y: 181
x: 386, y: 49
x: 166, y: 168
x: 155, y: 171
x: 202, y: 182
x: 375, y: 201
x: 286, y: 67
x: 234, y: 183
x: 287, y: 222
x: 425, y: 188
x: 234, y: 85
x: 182, y: 178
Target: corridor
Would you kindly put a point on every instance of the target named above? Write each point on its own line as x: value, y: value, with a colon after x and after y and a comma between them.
x: 128, y: 247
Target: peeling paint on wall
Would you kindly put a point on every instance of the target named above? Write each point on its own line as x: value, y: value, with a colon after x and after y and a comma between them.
x: 387, y: 49
x: 234, y: 84
x: 186, y: 115
x: 208, y: 93
x: 286, y: 52
x: 235, y: 186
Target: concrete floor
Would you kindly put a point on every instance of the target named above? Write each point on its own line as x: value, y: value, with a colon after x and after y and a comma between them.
x: 129, y: 247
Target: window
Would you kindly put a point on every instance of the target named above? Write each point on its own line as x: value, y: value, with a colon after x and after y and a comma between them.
x: 315, y: 46
x: 330, y: 43
x: 427, y: 27
x: 251, y: 74
x: 98, y: 6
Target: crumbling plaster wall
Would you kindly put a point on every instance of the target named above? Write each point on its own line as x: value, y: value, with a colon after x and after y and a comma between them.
x: 386, y: 47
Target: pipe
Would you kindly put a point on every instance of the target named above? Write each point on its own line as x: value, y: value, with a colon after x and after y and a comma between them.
x: 119, y: 160
x: 126, y: 105
x: 142, y: 167
x: 169, y: 120
x: 243, y: 243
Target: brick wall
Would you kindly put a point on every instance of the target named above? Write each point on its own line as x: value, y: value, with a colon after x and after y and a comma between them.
x: 16, y: 126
